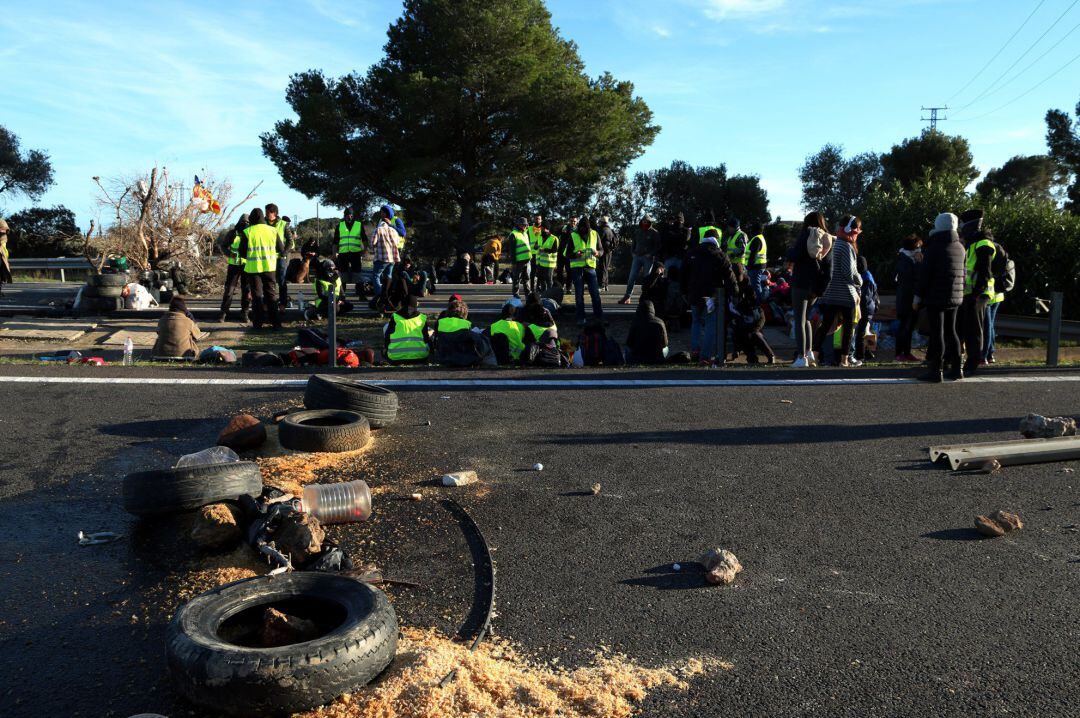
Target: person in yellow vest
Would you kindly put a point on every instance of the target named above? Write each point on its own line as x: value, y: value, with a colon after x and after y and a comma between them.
x: 978, y: 285
x: 235, y: 274
x: 521, y: 254
x: 509, y: 337
x: 536, y: 233
x: 5, y: 266
x: 757, y: 259
x: 735, y: 242
x: 584, y: 253
x: 260, y: 247
x: 547, y: 258
x: 328, y: 287
x: 281, y: 226
x: 709, y: 224
x: 407, y: 337
x: 349, y: 246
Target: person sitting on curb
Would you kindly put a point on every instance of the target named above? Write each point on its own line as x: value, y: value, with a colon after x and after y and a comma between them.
x: 328, y: 284
x: 177, y: 332
x: 509, y: 337
x: 647, y: 342
x: 407, y: 337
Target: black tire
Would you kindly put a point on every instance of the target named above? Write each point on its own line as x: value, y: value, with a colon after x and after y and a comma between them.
x: 237, y: 678
x: 379, y: 405
x: 109, y: 291
x: 331, y: 430
x: 108, y: 280
x: 151, y: 493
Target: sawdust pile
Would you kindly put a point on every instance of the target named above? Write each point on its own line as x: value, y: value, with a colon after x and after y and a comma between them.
x: 198, y: 577
x: 495, y: 682
x: 292, y: 472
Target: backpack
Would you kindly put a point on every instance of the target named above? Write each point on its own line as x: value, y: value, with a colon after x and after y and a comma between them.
x: 1003, y: 270
x: 312, y: 338
x: 592, y: 344
x: 613, y: 353
x: 345, y: 357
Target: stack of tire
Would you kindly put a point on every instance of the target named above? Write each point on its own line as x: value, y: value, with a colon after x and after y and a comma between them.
x: 102, y: 292
x: 378, y: 405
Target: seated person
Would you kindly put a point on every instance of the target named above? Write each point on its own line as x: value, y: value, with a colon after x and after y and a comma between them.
x: 648, y: 339
x: 463, y: 270
x: 538, y: 318
x: 327, y: 283
x: 457, y: 343
x: 454, y: 318
x: 177, y: 332
x: 509, y: 337
x: 407, y: 337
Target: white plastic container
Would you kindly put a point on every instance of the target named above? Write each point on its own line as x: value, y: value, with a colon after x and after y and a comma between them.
x: 338, y: 503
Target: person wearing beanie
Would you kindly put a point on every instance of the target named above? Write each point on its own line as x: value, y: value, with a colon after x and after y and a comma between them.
x: 735, y: 241
x: 348, y: 247
x: 260, y: 247
x: 608, y: 243
x: 509, y: 337
x: 705, y: 270
x: 908, y: 261
x: 521, y: 255
x: 841, y: 296
x: 978, y: 284
x: 939, y: 289
x: 177, y: 332
x: 407, y: 336
x: 546, y: 250
x: 5, y: 266
x: 328, y: 287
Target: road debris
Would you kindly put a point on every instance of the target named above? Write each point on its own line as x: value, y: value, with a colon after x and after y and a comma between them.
x: 216, y: 527
x: 538, y: 467
x: 243, y: 433
x: 595, y: 489
x: 991, y: 467
x: 417, y: 497
x: 721, y: 566
x: 1036, y: 426
x: 998, y: 524
x: 786, y: 401
x: 460, y: 478
x: 97, y: 538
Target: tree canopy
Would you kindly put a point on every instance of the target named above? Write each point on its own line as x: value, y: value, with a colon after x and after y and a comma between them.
x: 28, y: 174
x: 1063, y: 139
x: 931, y: 154
x: 1036, y: 175
x: 836, y: 185
x: 479, y: 110
x: 704, y: 194
x: 44, y: 232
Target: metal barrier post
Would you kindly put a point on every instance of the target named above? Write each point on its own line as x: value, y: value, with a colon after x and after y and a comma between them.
x: 1053, y: 343
x: 721, y: 326
x: 331, y: 330
x: 62, y: 275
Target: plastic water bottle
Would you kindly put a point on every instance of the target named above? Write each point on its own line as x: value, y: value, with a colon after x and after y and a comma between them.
x: 338, y: 503
x: 300, y: 300
x: 129, y: 348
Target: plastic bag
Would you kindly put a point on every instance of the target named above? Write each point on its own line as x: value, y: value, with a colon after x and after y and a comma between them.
x: 213, y: 455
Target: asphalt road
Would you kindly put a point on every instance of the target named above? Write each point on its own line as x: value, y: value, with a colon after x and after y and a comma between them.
x: 864, y: 592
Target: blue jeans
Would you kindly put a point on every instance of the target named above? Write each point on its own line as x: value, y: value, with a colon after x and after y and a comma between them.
x: 703, y: 322
x: 381, y: 269
x: 990, y: 334
x: 581, y: 275
x: 639, y: 267
x: 759, y: 284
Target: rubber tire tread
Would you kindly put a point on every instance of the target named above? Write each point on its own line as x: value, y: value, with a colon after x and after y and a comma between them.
x: 378, y: 404
x: 108, y: 280
x: 236, y: 680
x: 108, y: 291
x: 163, y: 491
x: 293, y: 434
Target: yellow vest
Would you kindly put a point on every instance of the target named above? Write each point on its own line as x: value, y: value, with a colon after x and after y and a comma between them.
x: 407, y: 340
x: 448, y: 325
x: 350, y: 240
x: 262, y: 251
x: 234, y: 257
x: 514, y: 333
x: 589, y: 259
x: 548, y: 252
x: 762, y: 257
x: 522, y: 247
x: 972, y: 259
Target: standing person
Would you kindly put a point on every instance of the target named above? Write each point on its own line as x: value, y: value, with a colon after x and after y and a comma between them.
x: 608, y: 244
x: 584, y: 253
x: 735, y: 241
x: 279, y: 225
x: 235, y: 274
x: 646, y: 245
x: 384, y: 245
x: 1004, y: 271
x: 349, y: 249
x: 748, y: 321
x: 705, y: 270
x: 842, y: 292
x: 260, y: 246
x: 674, y: 241
x: 707, y: 226
x: 547, y: 259
x: 804, y: 262
x: 869, y: 300
x: 940, y: 289
x: 522, y: 255
x: 757, y: 259
x: 907, y: 265
x: 536, y: 231
x: 490, y: 260
x: 5, y: 265
x: 978, y: 284
x: 283, y: 263
x: 566, y: 277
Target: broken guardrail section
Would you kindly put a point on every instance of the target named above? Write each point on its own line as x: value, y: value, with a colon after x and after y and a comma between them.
x: 1008, y: 453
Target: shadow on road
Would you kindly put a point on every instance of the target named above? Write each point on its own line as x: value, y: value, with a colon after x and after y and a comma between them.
x: 965, y: 534
x: 666, y: 578
x: 155, y: 428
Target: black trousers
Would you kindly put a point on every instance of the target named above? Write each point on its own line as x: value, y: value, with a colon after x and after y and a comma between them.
x: 973, y: 314
x: 903, y: 333
x: 234, y: 276
x: 343, y: 308
x: 545, y: 278
x: 264, y: 299
x: 944, y: 349
x: 829, y: 313
x: 351, y: 263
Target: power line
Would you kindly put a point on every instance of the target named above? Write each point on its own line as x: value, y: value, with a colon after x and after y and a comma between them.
x: 998, y: 53
x: 1052, y: 75
x: 1022, y: 56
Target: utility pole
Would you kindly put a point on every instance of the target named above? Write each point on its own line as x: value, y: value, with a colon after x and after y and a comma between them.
x: 933, y: 119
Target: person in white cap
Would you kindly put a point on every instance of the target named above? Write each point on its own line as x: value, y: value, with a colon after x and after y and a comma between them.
x: 940, y: 288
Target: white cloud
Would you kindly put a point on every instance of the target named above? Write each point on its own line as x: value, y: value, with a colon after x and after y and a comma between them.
x: 661, y: 31
x: 724, y: 9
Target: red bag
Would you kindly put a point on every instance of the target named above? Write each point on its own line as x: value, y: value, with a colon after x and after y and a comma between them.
x: 345, y: 357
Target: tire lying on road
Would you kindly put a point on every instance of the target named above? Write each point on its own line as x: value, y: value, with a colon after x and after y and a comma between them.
x: 326, y: 430
x: 222, y: 654
x: 379, y: 405
x: 163, y: 491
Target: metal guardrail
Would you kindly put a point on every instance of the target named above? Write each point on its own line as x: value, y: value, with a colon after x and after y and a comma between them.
x: 58, y: 263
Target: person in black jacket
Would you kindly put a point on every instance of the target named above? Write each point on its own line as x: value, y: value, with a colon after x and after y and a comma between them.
x: 674, y: 239
x: 804, y: 263
x: 907, y: 265
x: 940, y: 288
x: 705, y: 270
x: 648, y: 337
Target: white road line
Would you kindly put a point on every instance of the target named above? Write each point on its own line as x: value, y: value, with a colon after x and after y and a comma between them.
x: 537, y: 383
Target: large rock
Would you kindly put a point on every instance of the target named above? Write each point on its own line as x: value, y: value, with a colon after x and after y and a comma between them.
x: 1034, y: 426
x: 998, y: 523
x: 300, y: 536
x: 216, y: 527
x: 721, y: 566
x: 243, y: 433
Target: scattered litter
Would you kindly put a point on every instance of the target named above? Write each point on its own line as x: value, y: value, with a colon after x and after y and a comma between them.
x: 1066, y: 470
x: 461, y: 478
x: 444, y: 397
x: 427, y: 423
x: 998, y: 524
x: 206, y: 457
x: 677, y: 567
x: 786, y: 401
x: 342, y: 503
x: 595, y: 489
x: 538, y: 467
x: 98, y: 537
x: 417, y: 497
x: 720, y: 565
x: 991, y: 467
x: 1036, y: 426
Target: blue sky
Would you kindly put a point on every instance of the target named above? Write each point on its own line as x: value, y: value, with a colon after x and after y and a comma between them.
x: 114, y: 88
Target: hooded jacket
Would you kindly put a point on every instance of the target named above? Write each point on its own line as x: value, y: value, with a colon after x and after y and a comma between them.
x: 940, y: 283
x: 648, y: 336
x: 706, y: 269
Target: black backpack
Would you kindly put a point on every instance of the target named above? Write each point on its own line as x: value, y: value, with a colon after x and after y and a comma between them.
x: 1003, y: 269
x: 592, y: 342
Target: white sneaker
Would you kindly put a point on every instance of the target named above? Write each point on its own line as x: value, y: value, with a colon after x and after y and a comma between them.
x: 811, y: 360
x: 800, y: 363
x: 854, y: 362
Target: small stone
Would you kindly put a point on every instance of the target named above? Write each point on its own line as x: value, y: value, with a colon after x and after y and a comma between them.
x: 461, y: 478
x: 1008, y: 521
x: 595, y: 489
x: 417, y: 497
x: 677, y: 567
x: 1035, y: 426
x: 427, y: 423
x: 721, y: 566
x: 988, y: 527
x: 538, y: 467
x: 242, y: 433
x: 216, y: 527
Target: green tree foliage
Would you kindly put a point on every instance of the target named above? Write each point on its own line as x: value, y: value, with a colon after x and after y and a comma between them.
x: 28, y: 174
x: 1036, y: 175
x: 704, y: 193
x: 44, y: 232
x: 931, y: 154
x: 478, y: 110
x: 1063, y: 139
x: 837, y: 185
x: 1043, y: 240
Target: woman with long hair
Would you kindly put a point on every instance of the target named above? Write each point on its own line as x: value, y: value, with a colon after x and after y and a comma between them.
x: 804, y: 263
x: 841, y: 296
